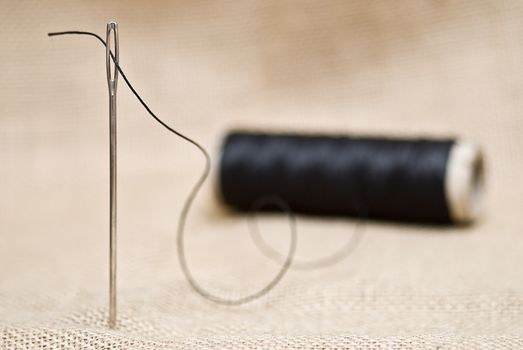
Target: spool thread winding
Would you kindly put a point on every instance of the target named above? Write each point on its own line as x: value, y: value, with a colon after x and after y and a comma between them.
x: 417, y: 180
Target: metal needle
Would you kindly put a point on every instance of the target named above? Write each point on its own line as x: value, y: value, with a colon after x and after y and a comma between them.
x: 112, y: 79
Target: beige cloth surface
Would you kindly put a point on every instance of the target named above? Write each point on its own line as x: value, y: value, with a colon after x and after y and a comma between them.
x: 387, y: 67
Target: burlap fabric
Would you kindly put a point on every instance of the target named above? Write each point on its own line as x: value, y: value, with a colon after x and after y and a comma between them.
x: 387, y: 67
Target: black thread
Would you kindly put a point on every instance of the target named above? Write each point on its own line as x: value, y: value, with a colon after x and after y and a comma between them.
x: 393, y: 179
x: 337, y: 256
x: 188, y: 202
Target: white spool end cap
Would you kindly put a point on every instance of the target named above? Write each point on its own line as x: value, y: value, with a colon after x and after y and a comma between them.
x: 464, y: 181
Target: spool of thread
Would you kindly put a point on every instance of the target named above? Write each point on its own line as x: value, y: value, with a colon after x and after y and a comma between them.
x: 419, y: 180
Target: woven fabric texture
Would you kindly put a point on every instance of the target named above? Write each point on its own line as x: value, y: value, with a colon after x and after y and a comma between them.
x: 382, y: 67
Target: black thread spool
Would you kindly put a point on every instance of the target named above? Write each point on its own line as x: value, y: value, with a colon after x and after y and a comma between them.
x: 417, y: 180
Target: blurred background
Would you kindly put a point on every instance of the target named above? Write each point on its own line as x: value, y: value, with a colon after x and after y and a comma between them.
x: 405, y: 68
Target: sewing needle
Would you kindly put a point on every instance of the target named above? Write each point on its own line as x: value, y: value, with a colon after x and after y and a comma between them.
x: 112, y: 79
